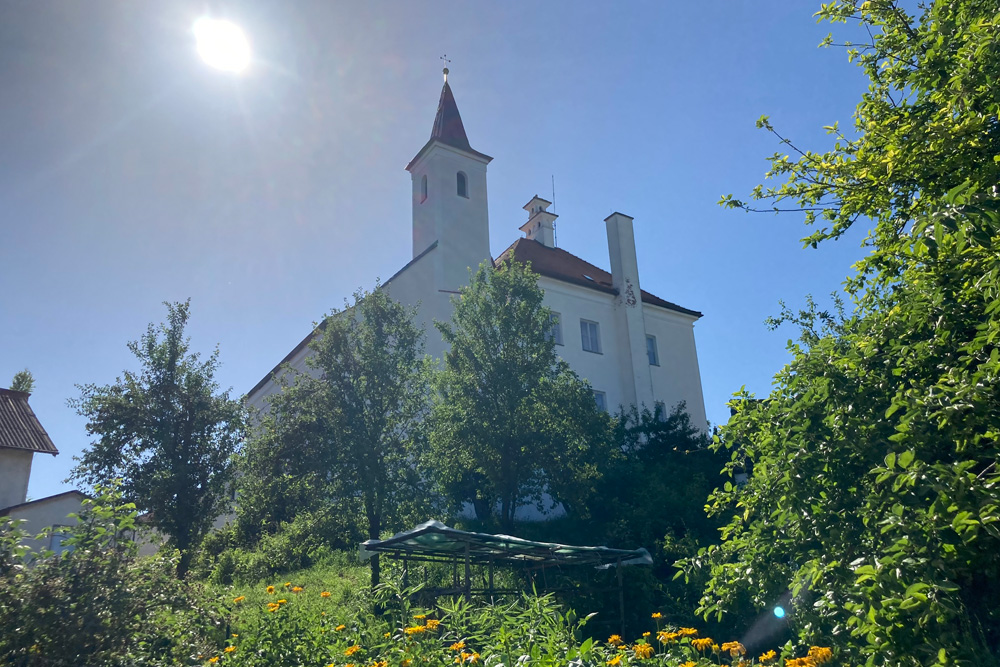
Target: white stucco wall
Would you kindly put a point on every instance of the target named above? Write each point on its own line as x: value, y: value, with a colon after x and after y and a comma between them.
x: 47, y: 512
x: 15, y: 470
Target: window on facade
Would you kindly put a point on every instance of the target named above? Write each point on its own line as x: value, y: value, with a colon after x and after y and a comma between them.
x: 56, y: 545
x: 463, y: 185
x: 601, y: 399
x: 590, y: 334
x: 555, y: 329
x: 654, y: 358
x: 423, y: 188
x: 661, y: 411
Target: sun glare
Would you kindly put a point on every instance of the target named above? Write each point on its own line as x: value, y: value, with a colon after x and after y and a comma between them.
x: 222, y: 44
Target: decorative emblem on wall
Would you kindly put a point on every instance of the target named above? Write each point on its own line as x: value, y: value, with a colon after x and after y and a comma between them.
x: 629, y: 294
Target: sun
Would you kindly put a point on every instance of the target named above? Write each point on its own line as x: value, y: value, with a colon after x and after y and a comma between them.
x: 222, y: 44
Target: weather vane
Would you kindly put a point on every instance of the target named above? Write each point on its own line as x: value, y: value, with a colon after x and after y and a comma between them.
x: 446, y: 61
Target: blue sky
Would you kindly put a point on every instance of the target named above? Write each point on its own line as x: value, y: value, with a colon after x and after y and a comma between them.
x: 132, y: 174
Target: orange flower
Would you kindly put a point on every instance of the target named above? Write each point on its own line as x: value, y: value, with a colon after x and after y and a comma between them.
x: 351, y: 650
x: 767, y: 657
x: 325, y: 594
x: 214, y: 659
x: 734, y: 648
x: 657, y: 615
x: 820, y: 654
x: 432, y: 624
x: 273, y: 606
x: 229, y: 649
x: 615, y: 640
x: 687, y: 632
x: 296, y: 589
x: 270, y: 590
x: 415, y: 630
x: 282, y: 601
x: 340, y: 627
x: 702, y: 644
x: 643, y: 651
x: 613, y: 662
x: 239, y: 599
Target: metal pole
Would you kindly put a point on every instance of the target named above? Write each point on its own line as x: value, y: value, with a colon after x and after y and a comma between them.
x: 468, y: 575
x: 621, y: 597
x: 491, y: 581
x: 406, y: 574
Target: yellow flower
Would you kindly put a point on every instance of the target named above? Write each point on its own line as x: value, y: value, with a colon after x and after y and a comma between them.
x: 689, y: 663
x: 214, y: 659
x: 239, y: 599
x: 350, y: 664
x: 340, y: 627
x: 767, y: 657
x: 657, y: 615
x: 229, y: 649
x: 282, y: 601
x: 820, y: 654
x: 702, y: 644
x: 387, y: 635
x: 687, y: 632
x: 406, y: 663
x: 457, y: 646
x: 325, y: 594
x: 646, y: 634
x: 296, y: 589
x: 643, y: 651
x: 715, y: 648
x: 615, y: 640
x: 235, y: 635
x: 800, y: 662
x: 420, y: 617
x: 273, y: 606
x: 666, y: 637
x: 615, y: 660
x: 734, y: 648
x: 270, y: 590
x: 380, y: 663
x: 287, y: 584
x: 432, y: 624
x: 351, y: 650
x: 415, y: 630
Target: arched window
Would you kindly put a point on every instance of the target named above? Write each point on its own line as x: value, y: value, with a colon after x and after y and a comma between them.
x: 463, y: 185
x: 423, y: 188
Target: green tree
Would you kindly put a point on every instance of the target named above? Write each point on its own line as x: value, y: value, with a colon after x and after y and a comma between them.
x: 166, y: 432
x: 511, y: 421
x: 875, y: 489
x: 23, y: 381
x: 338, y: 434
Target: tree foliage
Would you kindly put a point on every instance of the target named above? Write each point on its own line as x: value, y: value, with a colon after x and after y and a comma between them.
x: 875, y: 494
x: 23, y: 381
x: 336, y: 438
x: 166, y: 432
x: 511, y: 420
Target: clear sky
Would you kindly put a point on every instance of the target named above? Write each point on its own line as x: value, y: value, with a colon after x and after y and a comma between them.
x: 131, y: 173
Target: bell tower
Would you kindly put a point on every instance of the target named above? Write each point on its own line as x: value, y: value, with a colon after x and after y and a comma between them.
x: 449, y: 196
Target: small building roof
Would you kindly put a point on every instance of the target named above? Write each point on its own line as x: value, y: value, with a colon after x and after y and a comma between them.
x: 433, y: 540
x: 30, y: 503
x: 558, y: 264
x: 19, y: 427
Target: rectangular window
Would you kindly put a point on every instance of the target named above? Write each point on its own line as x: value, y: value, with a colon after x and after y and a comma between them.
x: 654, y: 358
x: 661, y: 411
x: 591, y: 335
x: 601, y: 399
x: 555, y: 329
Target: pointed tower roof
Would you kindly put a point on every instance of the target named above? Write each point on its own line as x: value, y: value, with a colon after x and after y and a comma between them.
x: 448, y: 128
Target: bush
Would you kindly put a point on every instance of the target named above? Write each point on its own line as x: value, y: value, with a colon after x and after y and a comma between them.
x: 98, y: 603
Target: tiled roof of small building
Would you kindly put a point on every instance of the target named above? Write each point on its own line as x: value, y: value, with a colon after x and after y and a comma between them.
x: 558, y: 264
x: 19, y: 427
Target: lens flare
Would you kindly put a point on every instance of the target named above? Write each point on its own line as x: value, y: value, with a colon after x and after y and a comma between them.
x: 222, y: 44
x: 779, y: 612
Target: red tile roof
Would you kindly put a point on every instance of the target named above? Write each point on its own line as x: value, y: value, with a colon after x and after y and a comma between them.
x: 561, y: 265
x: 19, y: 427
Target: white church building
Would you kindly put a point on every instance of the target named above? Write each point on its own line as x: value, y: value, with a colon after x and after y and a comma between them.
x: 633, y: 347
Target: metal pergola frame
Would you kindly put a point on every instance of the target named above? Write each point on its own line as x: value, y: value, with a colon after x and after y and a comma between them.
x: 434, y: 542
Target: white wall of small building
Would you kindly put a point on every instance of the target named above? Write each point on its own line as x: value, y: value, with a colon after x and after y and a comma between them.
x: 15, y: 470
